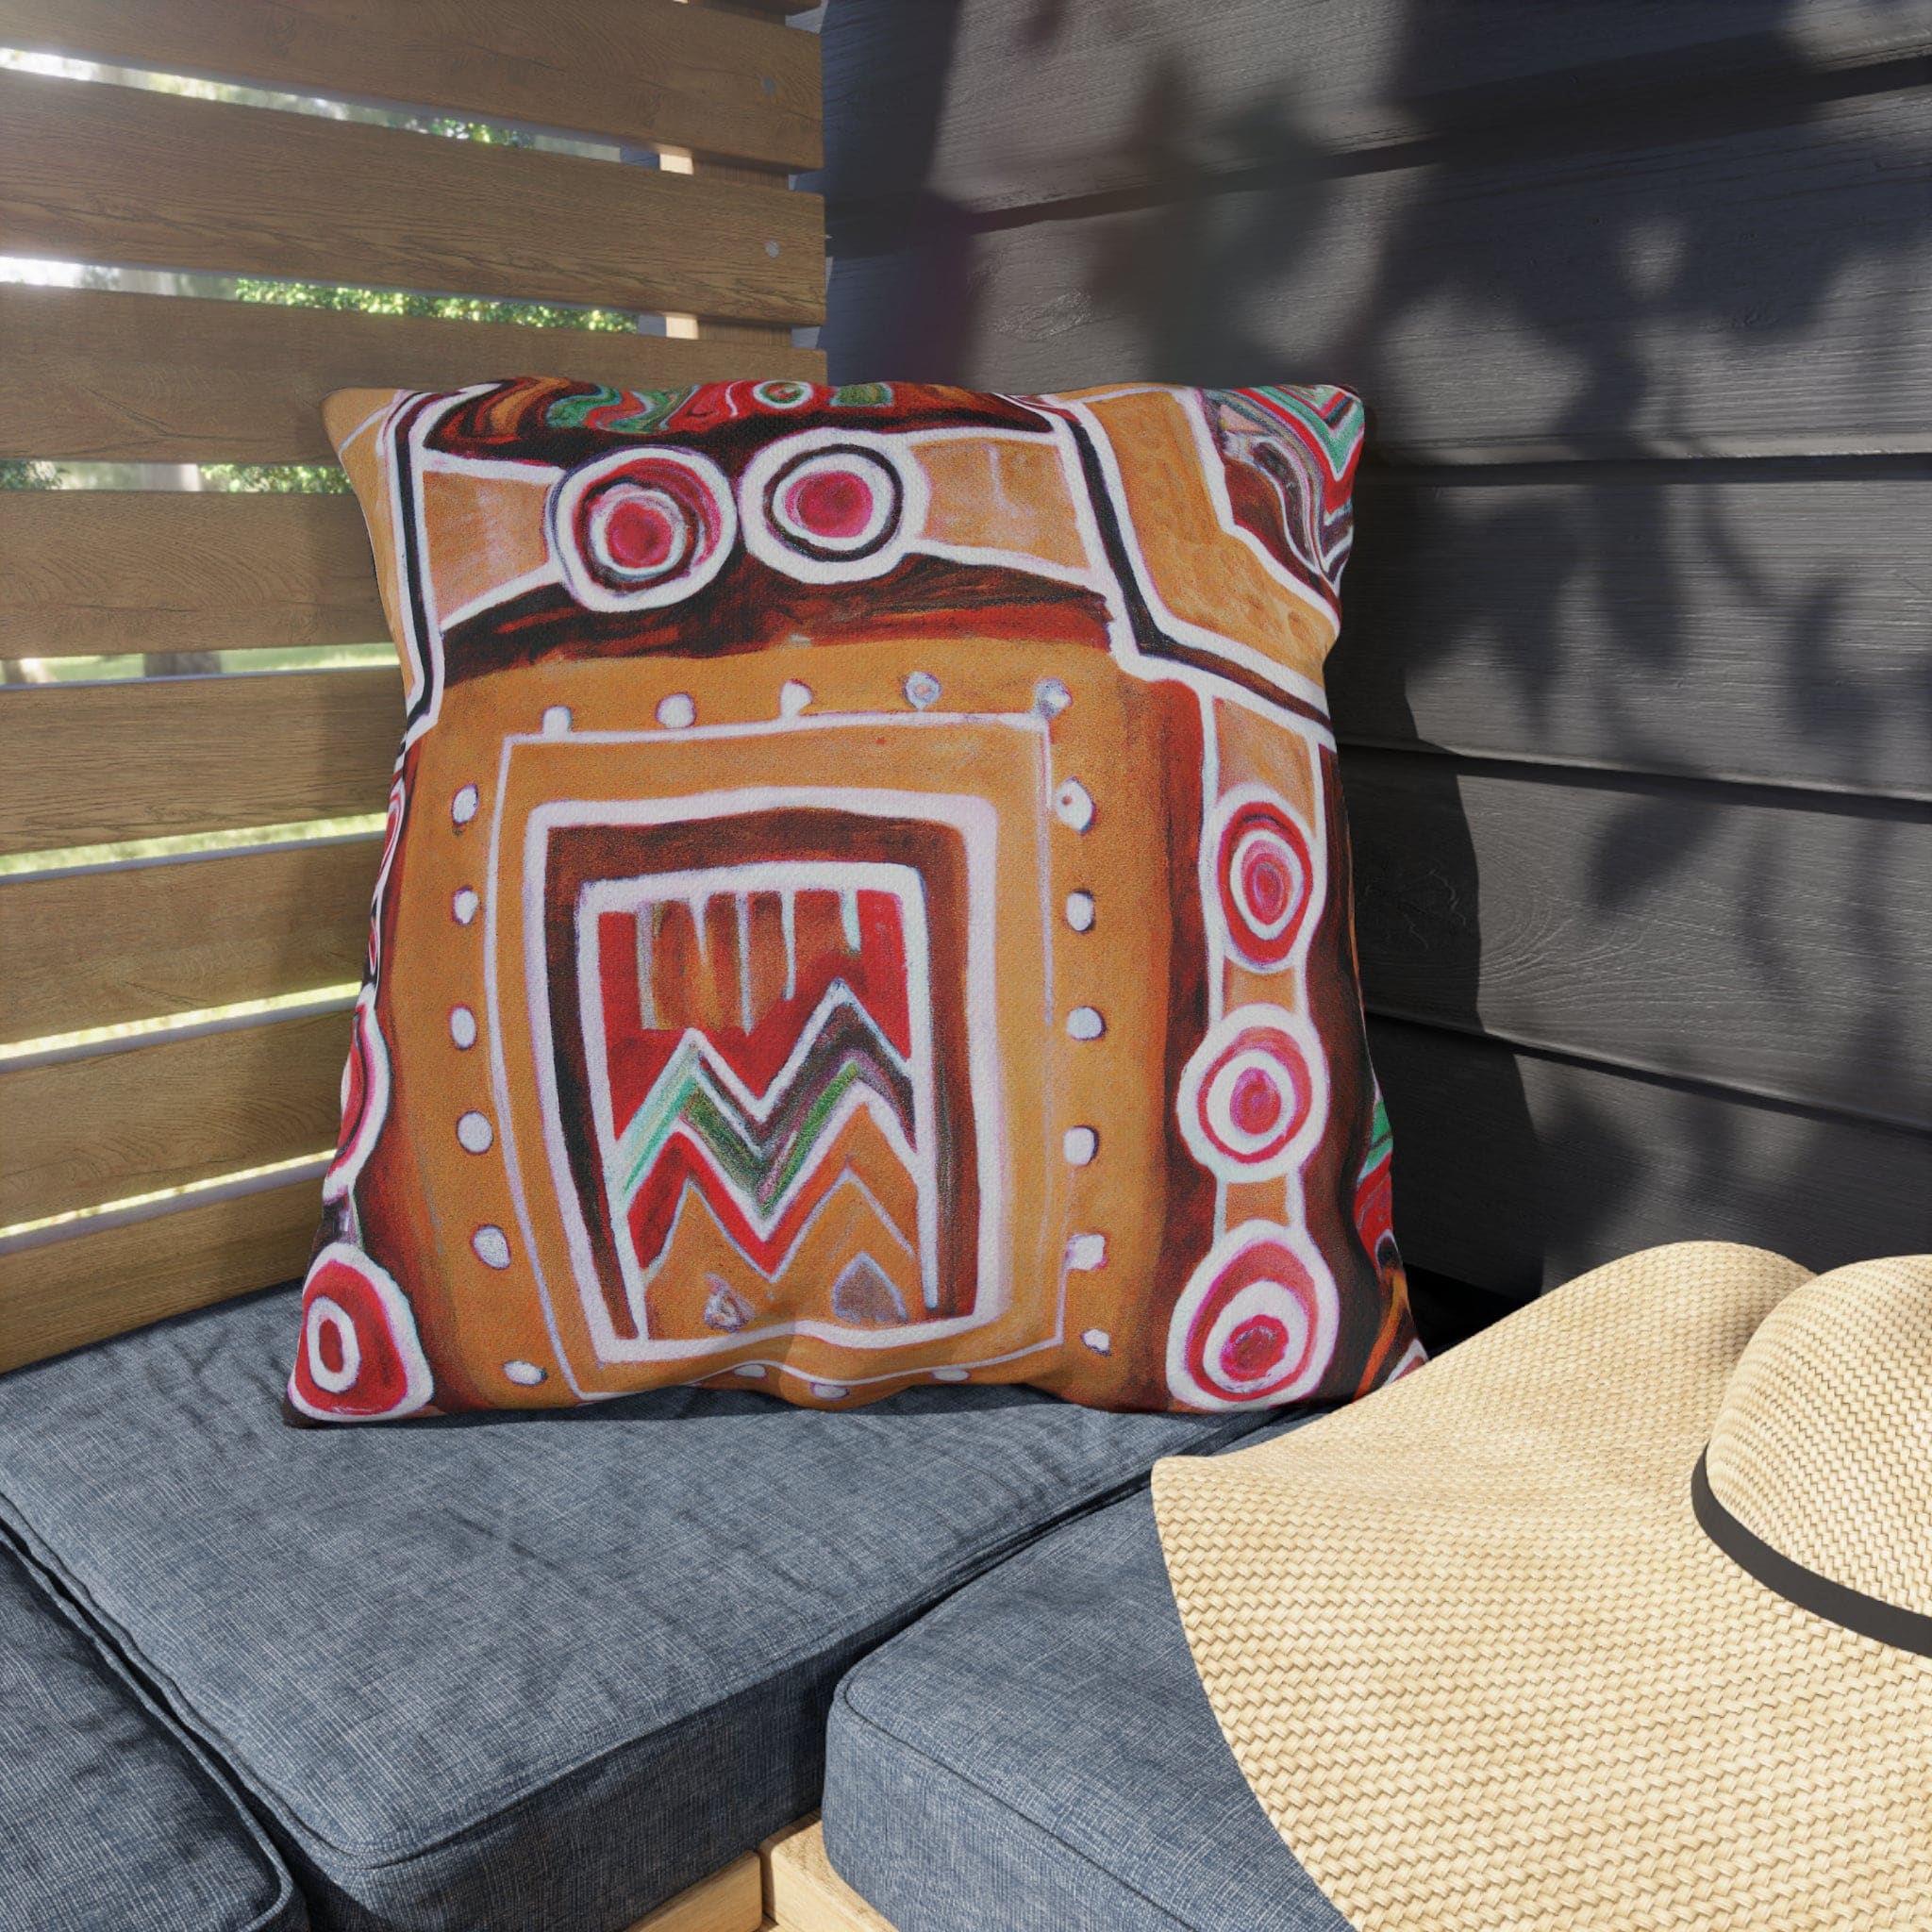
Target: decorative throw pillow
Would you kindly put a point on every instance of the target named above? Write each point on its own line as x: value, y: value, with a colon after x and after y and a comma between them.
x: 865, y: 903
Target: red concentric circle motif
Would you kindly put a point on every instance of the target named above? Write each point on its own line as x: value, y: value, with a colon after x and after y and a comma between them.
x: 835, y: 503
x: 1247, y: 1094
x: 360, y: 1358
x: 646, y: 527
x: 1258, y: 1321
x: 1265, y: 873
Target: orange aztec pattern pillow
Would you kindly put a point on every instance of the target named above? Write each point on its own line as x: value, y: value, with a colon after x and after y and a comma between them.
x: 865, y: 903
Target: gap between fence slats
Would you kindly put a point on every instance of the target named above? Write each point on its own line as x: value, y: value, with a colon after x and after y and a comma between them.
x: 97, y: 376
x: 138, y: 941
x: 1516, y: 1171
x: 1481, y: 308
x: 1710, y: 619
x: 116, y: 175
x: 637, y: 73
x: 61, y: 1294
x: 98, y: 572
x: 1567, y: 909
x: 83, y: 1133
x: 1033, y: 118
x: 80, y: 764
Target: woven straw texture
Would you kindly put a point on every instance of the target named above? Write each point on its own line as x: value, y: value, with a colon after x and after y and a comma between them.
x: 1485, y: 1671
x: 1830, y: 1379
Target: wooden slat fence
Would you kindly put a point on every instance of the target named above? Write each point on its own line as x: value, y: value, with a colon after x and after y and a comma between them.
x: 173, y: 1159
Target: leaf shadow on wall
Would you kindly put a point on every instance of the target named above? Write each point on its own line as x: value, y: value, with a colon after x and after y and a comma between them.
x: 1572, y: 266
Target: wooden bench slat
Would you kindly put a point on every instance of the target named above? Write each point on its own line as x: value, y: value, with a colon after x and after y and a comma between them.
x: 96, y: 375
x: 82, y: 764
x: 146, y: 939
x: 99, y: 173
x: 83, y: 1133
x: 63, y: 1294
x: 104, y: 572
x: 639, y: 73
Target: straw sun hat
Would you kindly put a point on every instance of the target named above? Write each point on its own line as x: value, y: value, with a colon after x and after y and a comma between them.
x: 1618, y: 1616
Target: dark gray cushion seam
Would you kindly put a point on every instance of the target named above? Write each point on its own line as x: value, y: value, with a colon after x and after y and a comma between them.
x: 108, y: 1635
x: 60, y: 1603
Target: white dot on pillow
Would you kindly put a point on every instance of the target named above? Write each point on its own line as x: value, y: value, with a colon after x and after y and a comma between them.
x: 1086, y: 1251
x: 475, y: 1134
x: 1072, y: 804
x: 492, y: 1248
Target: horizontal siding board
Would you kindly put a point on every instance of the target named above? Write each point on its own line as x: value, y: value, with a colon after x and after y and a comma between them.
x: 83, y: 764
x: 106, y: 572
x: 149, y: 939
x: 1107, y: 97
x: 117, y: 175
x: 1515, y: 1172
x: 100, y: 376
x: 1707, y: 621
x: 1762, y: 942
x: 64, y: 1294
x: 638, y: 73
x: 1765, y: 289
x: 83, y: 1133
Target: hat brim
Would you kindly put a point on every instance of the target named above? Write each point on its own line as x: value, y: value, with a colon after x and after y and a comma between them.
x: 1485, y: 1671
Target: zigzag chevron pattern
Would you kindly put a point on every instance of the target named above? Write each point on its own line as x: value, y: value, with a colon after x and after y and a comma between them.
x: 732, y: 1148
x: 764, y: 1150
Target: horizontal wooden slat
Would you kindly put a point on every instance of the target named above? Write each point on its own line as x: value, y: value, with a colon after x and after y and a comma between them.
x: 95, y: 764
x: 95, y: 375
x: 64, y: 1294
x: 1515, y: 1172
x: 1751, y: 939
x: 119, y: 174
x: 1702, y: 621
x: 1107, y: 98
x: 82, y: 1133
x: 639, y: 73
x: 1764, y: 289
x: 103, y: 572
x: 154, y: 938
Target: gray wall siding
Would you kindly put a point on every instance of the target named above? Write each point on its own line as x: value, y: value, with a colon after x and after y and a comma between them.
x: 1635, y: 691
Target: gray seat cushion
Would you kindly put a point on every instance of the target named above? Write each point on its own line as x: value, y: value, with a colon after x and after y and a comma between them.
x: 519, y: 1669
x: 1037, y: 1754
x: 108, y: 1819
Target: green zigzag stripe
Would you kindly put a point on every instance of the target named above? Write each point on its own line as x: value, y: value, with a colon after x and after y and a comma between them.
x: 716, y: 1124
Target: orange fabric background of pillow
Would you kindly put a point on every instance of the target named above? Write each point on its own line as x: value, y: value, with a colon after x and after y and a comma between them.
x: 865, y: 903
